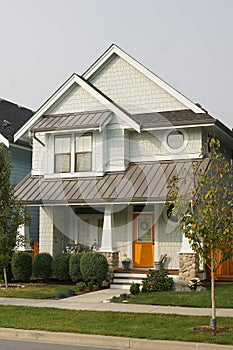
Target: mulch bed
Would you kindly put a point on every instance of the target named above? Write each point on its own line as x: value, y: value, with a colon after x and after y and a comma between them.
x: 206, y: 329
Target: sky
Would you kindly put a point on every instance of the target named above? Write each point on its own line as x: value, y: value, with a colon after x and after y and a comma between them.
x: 187, y: 43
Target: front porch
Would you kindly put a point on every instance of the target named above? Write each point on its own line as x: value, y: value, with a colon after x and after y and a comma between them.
x: 142, y: 233
x: 123, y: 279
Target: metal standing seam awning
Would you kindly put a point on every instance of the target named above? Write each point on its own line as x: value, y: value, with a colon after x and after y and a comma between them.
x: 142, y: 182
x: 83, y: 120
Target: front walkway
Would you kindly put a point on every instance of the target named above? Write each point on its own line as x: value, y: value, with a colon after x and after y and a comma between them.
x: 99, y: 301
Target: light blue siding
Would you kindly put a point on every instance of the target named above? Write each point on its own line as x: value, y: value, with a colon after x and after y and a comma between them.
x: 21, y: 161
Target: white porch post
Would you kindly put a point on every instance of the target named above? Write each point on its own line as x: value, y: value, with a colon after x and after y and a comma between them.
x: 188, y: 261
x: 185, y: 247
x: 157, y: 213
x: 106, y: 245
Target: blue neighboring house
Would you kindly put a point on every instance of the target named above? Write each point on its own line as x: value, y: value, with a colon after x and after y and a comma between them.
x: 12, y: 118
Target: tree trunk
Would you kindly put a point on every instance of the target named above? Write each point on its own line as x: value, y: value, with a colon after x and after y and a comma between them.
x: 213, y: 319
x: 5, y: 277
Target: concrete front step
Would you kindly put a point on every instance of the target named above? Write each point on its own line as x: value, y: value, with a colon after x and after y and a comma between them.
x: 129, y: 275
x: 120, y: 286
x: 124, y: 279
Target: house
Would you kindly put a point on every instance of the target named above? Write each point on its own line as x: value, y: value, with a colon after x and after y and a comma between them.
x: 12, y: 118
x: 104, y: 146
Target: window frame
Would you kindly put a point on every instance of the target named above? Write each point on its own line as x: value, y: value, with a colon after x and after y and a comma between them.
x: 84, y: 152
x: 62, y: 154
x: 72, y: 153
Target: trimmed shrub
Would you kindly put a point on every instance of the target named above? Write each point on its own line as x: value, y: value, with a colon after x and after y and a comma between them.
x: 157, y: 281
x: 90, y: 286
x: 94, y: 267
x: 70, y: 292
x: 60, y: 267
x: 42, y: 266
x: 74, y: 267
x: 60, y: 295
x: 81, y: 286
x: 21, y: 266
x: 135, y: 288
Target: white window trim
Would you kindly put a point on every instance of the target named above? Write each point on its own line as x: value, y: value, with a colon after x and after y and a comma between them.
x: 72, y: 173
x: 181, y: 148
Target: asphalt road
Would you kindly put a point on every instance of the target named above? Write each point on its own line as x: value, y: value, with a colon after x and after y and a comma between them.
x: 29, y: 345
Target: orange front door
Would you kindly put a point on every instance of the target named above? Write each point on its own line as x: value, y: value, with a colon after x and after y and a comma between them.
x: 143, y: 243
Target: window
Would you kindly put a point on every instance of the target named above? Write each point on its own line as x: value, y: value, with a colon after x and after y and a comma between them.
x: 73, y: 153
x: 83, y: 152
x: 62, y: 150
x: 175, y: 139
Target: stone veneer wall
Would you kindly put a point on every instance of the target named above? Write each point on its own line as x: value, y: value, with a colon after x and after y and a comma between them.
x: 113, y: 262
x: 188, y: 266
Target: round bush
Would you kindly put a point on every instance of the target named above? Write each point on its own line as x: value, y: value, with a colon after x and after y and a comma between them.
x: 94, y: 267
x: 21, y: 266
x: 42, y: 266
x: 74, y: 267
x: 60, y: 267
x: 157, y: 281
x: 134, y: 288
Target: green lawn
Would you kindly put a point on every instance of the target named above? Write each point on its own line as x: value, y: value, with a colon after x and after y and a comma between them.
x: 35, y: 290
x: 148, y: 326
x: 224, y: 297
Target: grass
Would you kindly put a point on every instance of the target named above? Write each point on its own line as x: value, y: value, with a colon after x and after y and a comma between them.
x: 148, y: 326
x: 35, y: 290
x: 223, y: 293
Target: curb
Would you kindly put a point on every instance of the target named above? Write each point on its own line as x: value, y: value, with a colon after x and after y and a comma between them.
x: 105, y: 341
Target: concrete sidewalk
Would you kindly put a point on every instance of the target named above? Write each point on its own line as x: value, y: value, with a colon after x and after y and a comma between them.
x: 100, y: 301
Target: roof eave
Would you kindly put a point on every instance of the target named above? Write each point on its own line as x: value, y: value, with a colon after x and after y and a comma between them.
x: 4, y: 141
x: 81, y: 82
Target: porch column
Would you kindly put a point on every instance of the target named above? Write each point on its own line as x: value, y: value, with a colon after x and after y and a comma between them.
x: 46, y: 230
x: 188, y: 261
x: 106, y: 245
x: 157, y: 212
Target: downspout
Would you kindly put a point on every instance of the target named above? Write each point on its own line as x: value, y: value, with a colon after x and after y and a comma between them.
x: 36, y: 138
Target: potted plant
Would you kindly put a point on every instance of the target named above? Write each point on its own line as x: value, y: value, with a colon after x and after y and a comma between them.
x: 125, y: 262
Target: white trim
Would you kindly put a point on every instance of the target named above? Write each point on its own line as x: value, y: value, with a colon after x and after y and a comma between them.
x: 177, y: 127
x: 184, y: 145
x: 4, y: 141
x: 173, y: 156
x: 80, y: 175
x: 29, y: 149
x: 113, y: 49
x: 79, y: 81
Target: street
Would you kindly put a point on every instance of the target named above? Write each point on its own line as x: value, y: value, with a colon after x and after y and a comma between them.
x: 30, y: 345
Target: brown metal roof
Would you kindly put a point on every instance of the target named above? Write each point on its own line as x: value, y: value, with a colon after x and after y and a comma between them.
x: 82, y: 120
x: 142, y: 182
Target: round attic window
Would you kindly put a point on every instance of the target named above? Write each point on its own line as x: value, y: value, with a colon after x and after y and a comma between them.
x: 175, y: 139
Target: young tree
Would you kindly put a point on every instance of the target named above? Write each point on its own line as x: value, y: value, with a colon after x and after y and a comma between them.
x: 204, y: 209
x: 12, y: 214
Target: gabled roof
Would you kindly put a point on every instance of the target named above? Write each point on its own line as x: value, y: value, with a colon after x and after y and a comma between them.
x: 115, y: 50
x: 88, y: 87
x: 142, y: 182
x: 12, y: 118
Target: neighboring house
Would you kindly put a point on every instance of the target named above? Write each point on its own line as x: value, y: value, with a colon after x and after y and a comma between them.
x: 104, y: 146
x: 12, y: 118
